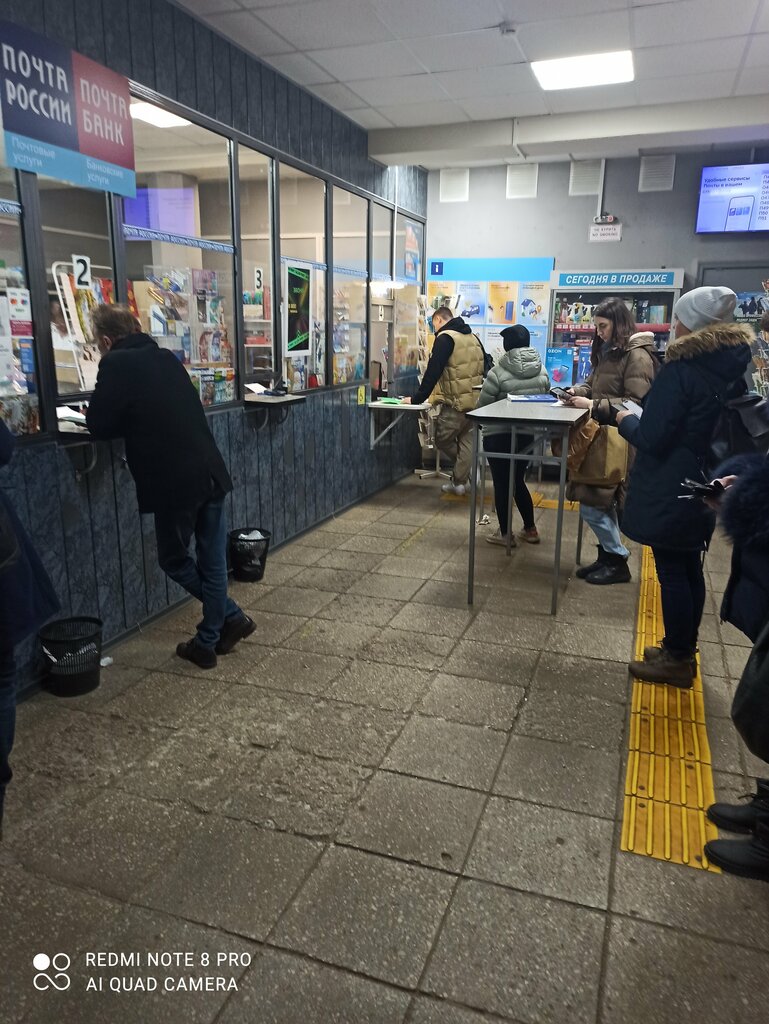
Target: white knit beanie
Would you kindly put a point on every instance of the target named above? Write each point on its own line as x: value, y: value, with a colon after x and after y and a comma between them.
x: 703, y: 306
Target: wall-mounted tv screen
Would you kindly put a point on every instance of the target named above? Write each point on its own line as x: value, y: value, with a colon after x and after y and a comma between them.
x: 163, y: 209
x: 734, y: 198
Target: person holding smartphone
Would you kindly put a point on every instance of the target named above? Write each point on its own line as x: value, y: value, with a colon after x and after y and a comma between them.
x: 672, y: 439
x: 623, y: 366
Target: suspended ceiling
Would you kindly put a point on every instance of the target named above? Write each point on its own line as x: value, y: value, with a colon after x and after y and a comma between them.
x: 440, y: 84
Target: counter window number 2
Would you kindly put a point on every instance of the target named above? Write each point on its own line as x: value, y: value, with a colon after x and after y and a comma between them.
x: 82, y: 269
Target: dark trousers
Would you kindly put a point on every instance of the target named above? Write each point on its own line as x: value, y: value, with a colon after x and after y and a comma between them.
x: 7, y: 717
x: 205, y: 576
x: 500, y: 474
x: 682, y: 588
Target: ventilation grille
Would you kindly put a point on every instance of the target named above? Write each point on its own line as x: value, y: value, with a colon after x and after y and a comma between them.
x: 585, y: 177
x: 522, y: 181
x: 657, y: 173
x: 455, y: 185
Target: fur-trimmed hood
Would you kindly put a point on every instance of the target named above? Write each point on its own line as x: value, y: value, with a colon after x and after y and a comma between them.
x: 745, y: 506
x: 708, y: 340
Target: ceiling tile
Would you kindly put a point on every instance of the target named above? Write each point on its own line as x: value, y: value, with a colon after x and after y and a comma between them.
x: 758, y: 52
x: 567, y: 37
x: 368, y: 118
x: 298, y: 68
x: 522, y: 11
x: 753, y: 82
x: 414, y: 18
x: 687, y: 21
x: 507, y: 79
x: 406, y: 89
x: 204, y: 7
x: 762, y: 25
x: 326, y: 23
x: 689, y: 58
x: 244, y: 29
x: 412, y: 115
x: 489, y: 108
x: 681, y: 88
x: 348, y: 63
x: 338, y: 95
x: 599, y: 97
x: 466, y: 50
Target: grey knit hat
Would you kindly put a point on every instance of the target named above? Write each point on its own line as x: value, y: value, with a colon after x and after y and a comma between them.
x: 703, y: 306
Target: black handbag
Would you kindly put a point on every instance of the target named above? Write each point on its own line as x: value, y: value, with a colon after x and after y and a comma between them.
x: 750, y: 707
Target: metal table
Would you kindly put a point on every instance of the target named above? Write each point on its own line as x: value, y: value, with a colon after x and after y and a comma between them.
x: 539, y: 420
x: 398, y: 411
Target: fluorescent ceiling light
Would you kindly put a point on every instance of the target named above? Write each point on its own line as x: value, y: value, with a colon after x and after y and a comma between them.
x: 590, y: 69
x: 155, y: 115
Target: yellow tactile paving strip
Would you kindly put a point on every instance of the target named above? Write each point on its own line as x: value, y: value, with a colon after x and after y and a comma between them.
x: 669, y: 780
x: 540, y: 501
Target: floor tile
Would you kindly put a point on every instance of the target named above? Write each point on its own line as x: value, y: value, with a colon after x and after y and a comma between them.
x: 162, y: 698
x: 449, y: 595
x: 514, y: 629
x: 465, y: 755
x: 414, y: 820
x: 438, y: 1011
x: 395, y: 588
x: 544, y: 850
x: 400, y: 647
x: 510, y: 665
x: 251, y: 714
x: 369, y: 913
x: 331, y: 728
x: 281, y: 988
x: 725, y: 745
x: 596, y: 641
x: 244, y: 894
x: 357, y: 561
x: 318, y: 577
x: 299, y: 671
x: 296, y: 554
x: 272, y: 628
x: 417, y: 568
x: 474, y: 701
x: 603, y: 679
x: 521, y: 956
x: 440, y: 621
x: 392, y: 687
x: 561, y: 775
x: 373, y: 611
x: 293, y: 600
x: 370, y: 545
x: 572, y: 718
x: 332, y: 637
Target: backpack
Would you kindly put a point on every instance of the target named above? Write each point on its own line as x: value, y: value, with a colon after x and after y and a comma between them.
x: 488, y: 360
x: 742, y: 428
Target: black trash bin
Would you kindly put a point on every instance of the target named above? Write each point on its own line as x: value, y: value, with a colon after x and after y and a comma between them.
x: 72, y: 655
x: 247, y: 554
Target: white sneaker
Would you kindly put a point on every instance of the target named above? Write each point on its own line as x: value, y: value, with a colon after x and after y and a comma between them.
x: 451, y: 488
x: 500, y: 538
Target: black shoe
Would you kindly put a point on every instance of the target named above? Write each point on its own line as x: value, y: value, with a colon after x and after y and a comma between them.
x: 585, y: 570
x: 748, y: 858
x: 741, y: 817
x: 201, y: 656
x: 613, y: 570
x: 234, y: 629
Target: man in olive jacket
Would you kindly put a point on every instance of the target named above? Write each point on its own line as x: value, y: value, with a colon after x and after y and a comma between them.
x: 454, y: 369
x: 144, y: 394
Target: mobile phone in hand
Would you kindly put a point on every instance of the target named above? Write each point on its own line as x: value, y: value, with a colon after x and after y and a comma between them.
x: 698, y: 489
x: 561, y: 394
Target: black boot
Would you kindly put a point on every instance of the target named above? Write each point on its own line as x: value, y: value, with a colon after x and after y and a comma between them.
x: 585, y: 570
x: 742, y: 817
x: 614, y: 570
x: 748, y: 858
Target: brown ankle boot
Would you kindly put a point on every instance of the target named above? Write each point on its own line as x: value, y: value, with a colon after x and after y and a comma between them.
x: 664, y: 669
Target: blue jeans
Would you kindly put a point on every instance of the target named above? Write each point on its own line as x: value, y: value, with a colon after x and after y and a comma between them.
x: 7, y: 717
x: 603, y: 523
x: 205, y: 576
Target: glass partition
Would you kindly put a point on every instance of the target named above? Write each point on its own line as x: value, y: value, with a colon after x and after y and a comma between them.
x: 382, y: 308
x: 303, y: 278
x: 179, y: 251
x: 18, y: 367
x: 256, y: 254
x: 350, y: 252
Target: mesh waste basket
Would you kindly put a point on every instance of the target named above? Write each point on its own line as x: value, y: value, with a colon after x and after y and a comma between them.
x: 72, y: 655
x: 248, y: 553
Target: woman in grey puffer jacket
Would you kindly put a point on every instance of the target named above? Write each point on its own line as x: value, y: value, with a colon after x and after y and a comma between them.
x: 518, y: 372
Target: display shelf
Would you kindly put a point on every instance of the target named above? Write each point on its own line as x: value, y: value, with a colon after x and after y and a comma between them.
x: 577, y: 328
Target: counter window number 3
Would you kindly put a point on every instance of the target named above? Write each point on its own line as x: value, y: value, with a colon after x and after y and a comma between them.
x: 82, y: 269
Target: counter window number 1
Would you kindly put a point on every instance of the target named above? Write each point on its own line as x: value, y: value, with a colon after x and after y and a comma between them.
x: 82, y: 268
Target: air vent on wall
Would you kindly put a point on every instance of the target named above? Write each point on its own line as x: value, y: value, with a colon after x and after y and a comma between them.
x: 522, y: 181
x: 585, y: 178
x: 455, y: 185
x: 657, y: 173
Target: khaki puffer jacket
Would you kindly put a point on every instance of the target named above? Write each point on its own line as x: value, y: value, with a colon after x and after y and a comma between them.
x: 621, y: 373
x: 463, y: 372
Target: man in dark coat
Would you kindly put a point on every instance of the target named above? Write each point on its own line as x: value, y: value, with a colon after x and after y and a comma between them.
x: 672, y: 439
x: 144, y: 394
x: 27, y: 600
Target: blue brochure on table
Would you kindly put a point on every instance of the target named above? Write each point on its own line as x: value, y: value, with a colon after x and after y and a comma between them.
x: 548, y: 399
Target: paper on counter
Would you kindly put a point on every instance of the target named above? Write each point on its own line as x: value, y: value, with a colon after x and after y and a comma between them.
x: 257, y: 389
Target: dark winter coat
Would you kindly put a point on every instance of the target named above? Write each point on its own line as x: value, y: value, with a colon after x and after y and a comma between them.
x: 27, y: 597
x: 144, y: 394
x: 618, y: 374
x: 673, y: 436
x: 745, y: 518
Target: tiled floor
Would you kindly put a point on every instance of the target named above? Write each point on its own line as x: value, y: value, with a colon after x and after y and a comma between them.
x: 382, y: 807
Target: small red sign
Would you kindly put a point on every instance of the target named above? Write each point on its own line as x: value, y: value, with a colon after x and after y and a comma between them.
x: 103, y: 101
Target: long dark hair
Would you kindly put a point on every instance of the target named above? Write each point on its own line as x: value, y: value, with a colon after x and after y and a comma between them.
x: 623, y: 324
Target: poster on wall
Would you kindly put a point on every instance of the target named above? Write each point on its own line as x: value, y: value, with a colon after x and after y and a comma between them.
x: 412, y: 269
x: 472, y: 302
x: 298, y: 307
x: 64, y: 115
x: 503, y: 302
x: 538, y: 340
x: 751, y: 306
x: 534, y: 303
x: 559, y: 363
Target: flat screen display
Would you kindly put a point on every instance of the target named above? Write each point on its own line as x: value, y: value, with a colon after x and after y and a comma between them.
x: 163, y: 209
x: 734, y: 198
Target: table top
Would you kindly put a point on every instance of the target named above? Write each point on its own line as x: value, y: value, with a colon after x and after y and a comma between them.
x: 272, y: 399
x: 399, y: 407
x: 534, y: 413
